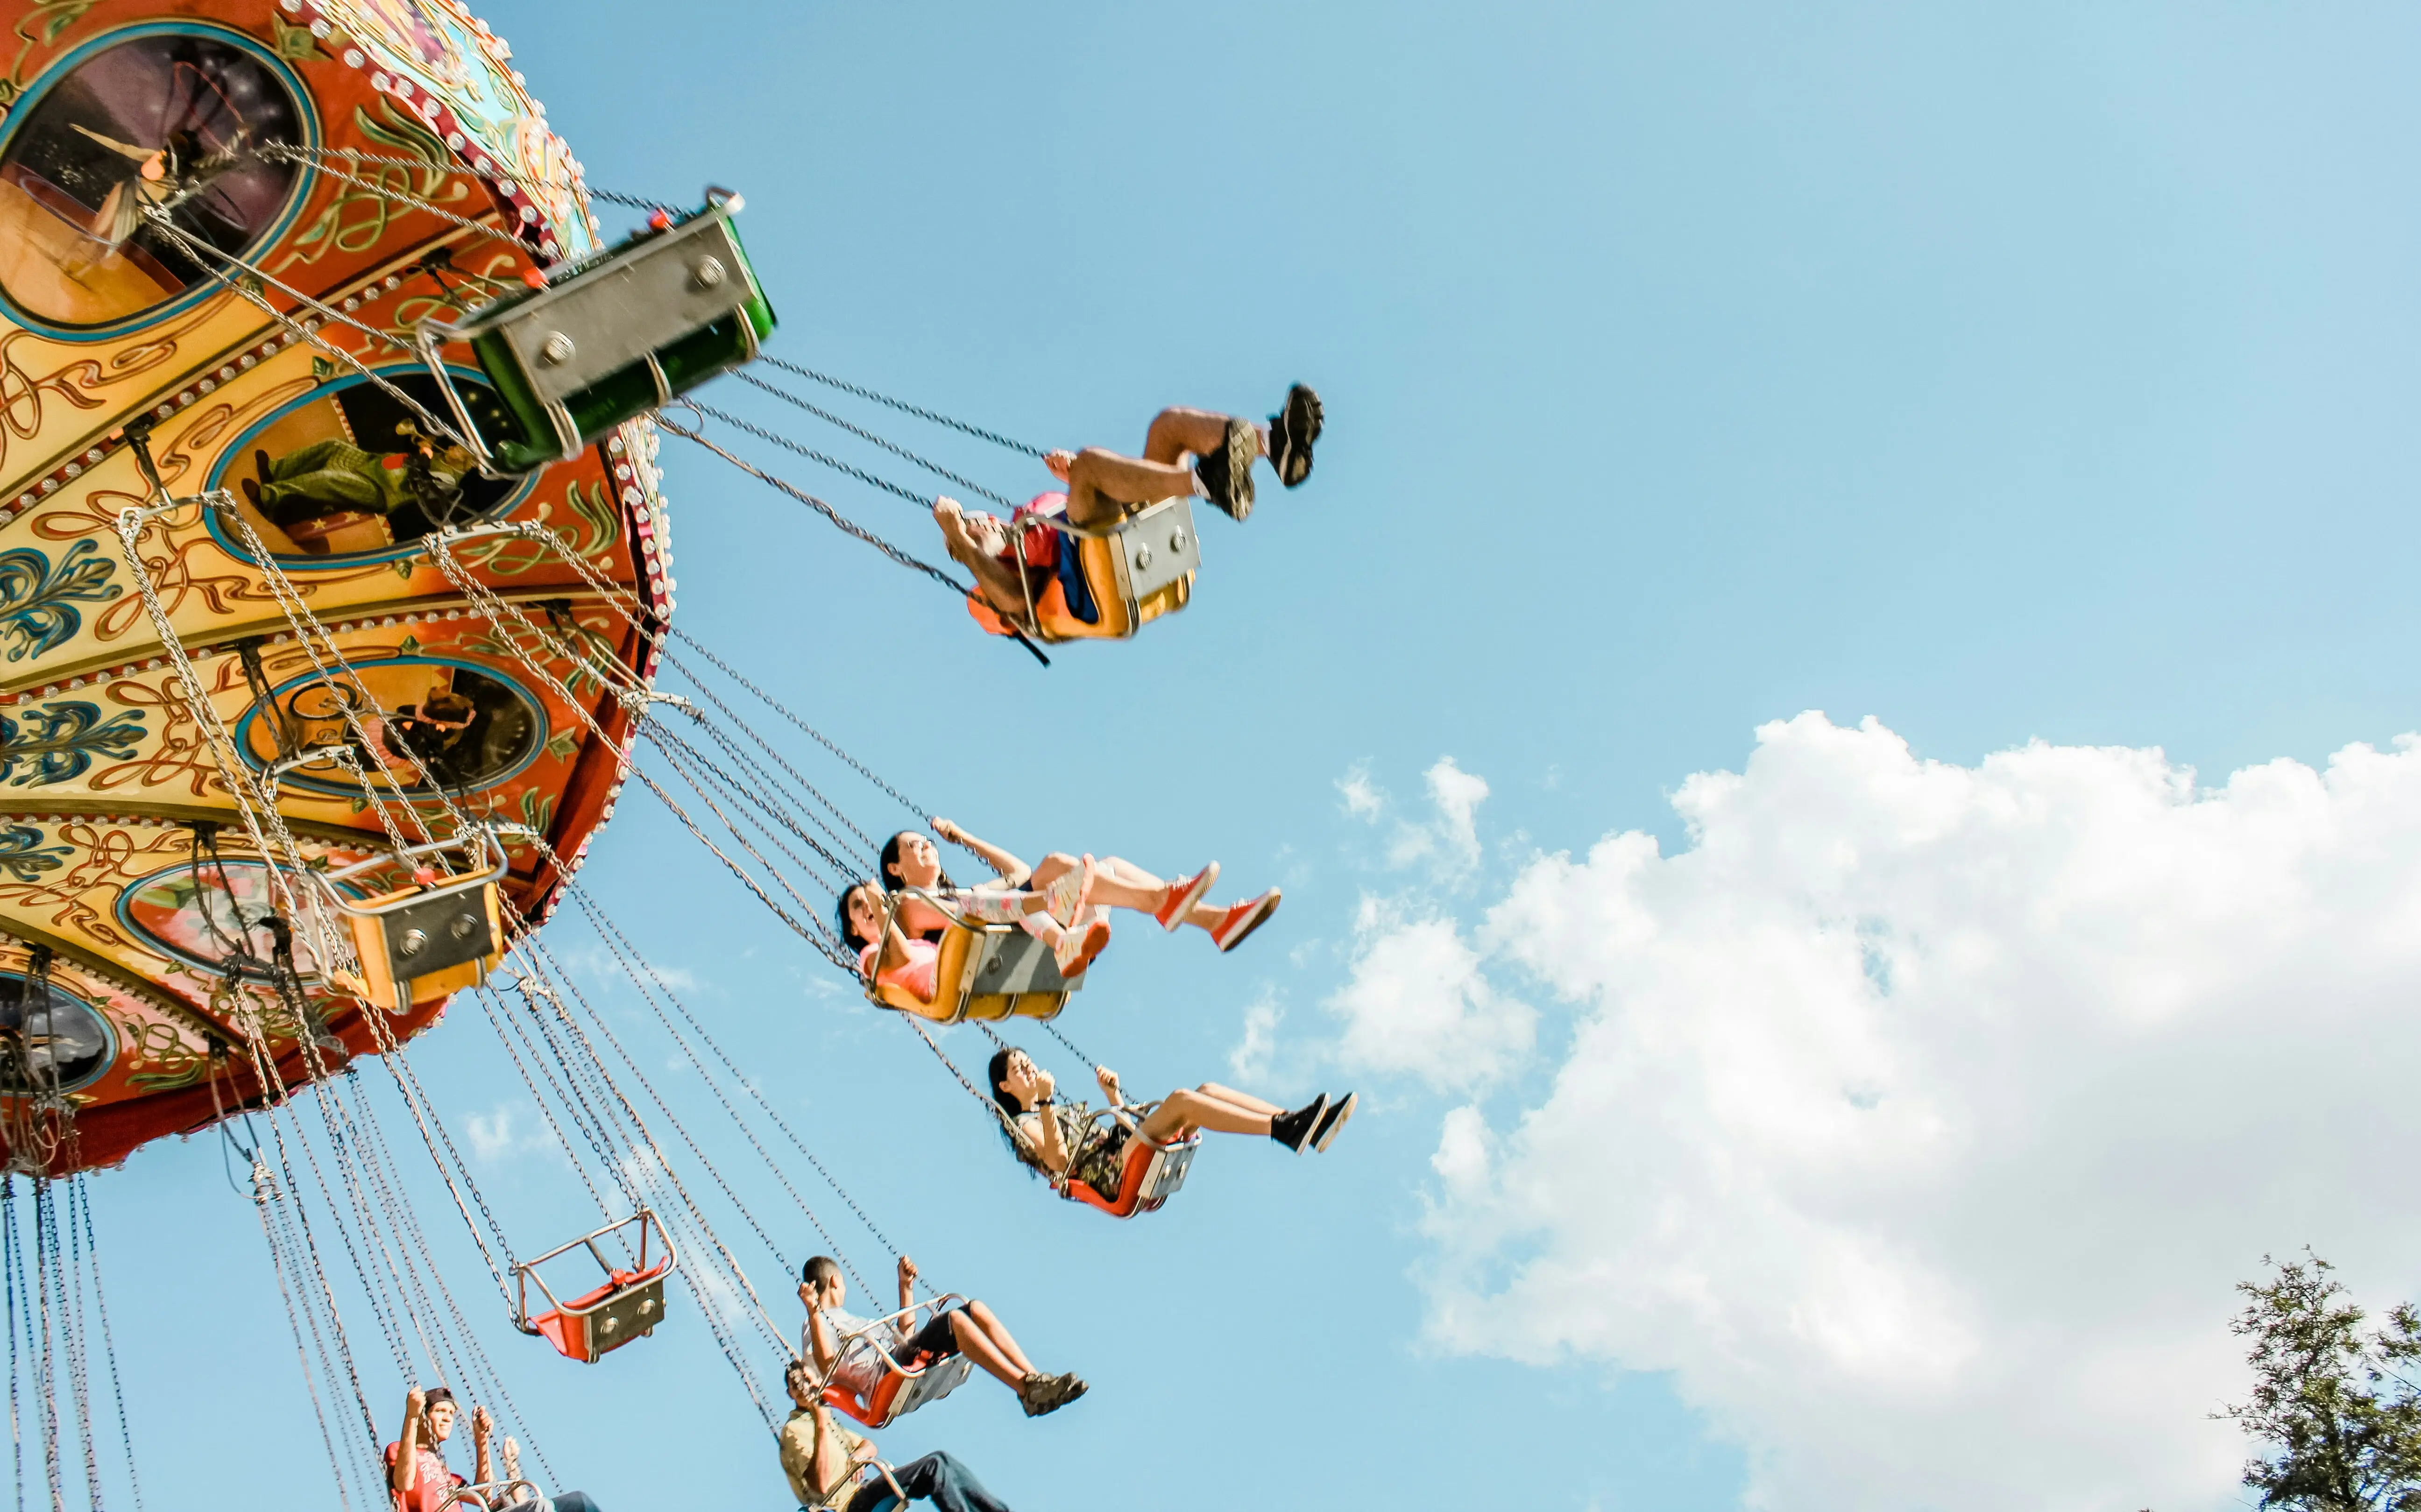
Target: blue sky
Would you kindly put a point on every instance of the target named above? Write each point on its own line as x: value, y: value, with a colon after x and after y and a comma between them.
x: 2038, y: 374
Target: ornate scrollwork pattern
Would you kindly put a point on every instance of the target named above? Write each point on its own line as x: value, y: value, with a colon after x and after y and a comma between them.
x: 58, y: 741
x: 38, y: 600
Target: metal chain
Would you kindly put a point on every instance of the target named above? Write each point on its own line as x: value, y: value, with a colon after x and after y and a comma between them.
x: 861, y: 433
x: 846, y: 526
x: 78, y: 1194
x: 195, y: 249
x: 615, y: 943
x: 762, y: 744
x: 79, y: 1376
x: 905, y: 408
x: 915, y: 496
x: 261, y: 1198
x: 306, y: 157
x: 11, y: 1260
x: 632, y: 201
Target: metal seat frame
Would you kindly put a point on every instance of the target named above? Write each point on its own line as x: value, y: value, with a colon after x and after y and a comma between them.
x: 489, y: 1496
x: 920, y: 1385
x: 1005, y: 972
x: 1149, y: 550
x: 370, y: 918
x: 1164, y: 1176
x: 526, y: 1272
x: 688, y: 277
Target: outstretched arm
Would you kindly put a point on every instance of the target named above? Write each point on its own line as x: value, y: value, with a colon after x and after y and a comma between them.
x: 407, y: 1450
x: 1011, y: 869
x: 482, y: 1472
x: 820, y: 1342
x: 1109, y: 1079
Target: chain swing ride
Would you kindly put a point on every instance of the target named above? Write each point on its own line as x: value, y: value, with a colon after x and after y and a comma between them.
x: 337, y: 598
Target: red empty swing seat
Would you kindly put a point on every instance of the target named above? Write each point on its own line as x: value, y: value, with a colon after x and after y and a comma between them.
x: 627, y: 1307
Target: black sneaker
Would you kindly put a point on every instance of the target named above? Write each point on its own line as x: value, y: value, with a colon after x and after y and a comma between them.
x: 1333, y: 1121
x: 1293, y: 1129
x: 1292, y: 432
x: 1227, y: 473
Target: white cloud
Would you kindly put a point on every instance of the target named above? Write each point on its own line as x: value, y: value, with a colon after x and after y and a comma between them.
x: 1251, y: 1058
x: 1361, y: 800
x: 1417, y: 1004
x: 510, y: 1130
x: 1450, y: 840
x: 1919, y: 1117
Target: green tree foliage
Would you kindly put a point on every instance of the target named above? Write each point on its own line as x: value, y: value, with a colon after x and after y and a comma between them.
x: 2335, y: 1408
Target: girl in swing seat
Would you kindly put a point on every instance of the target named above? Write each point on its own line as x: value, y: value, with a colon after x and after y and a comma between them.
x: 1068, y: 883
x: 1061, y: 1141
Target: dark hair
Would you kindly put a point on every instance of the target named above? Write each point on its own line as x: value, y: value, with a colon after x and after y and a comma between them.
x: 890, y: 863
x: 820, y: 1272
x: 840, y: 910
x: 994, y: 1070
x: 447, y: 703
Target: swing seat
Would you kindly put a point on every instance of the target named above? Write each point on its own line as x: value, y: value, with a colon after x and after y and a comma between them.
x: 491, y: 1496
x: 902, y: 1390
x: 985, y: 972
x: 1138, y: 569
x: 1153, y: 1174
x: 428, y: 939
x: 627, y: 1305
x: 622, y: 334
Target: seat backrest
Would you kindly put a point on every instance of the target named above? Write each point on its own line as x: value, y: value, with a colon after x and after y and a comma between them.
x: 989, y: 972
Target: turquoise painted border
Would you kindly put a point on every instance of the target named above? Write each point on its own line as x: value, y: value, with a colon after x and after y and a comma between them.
x: 298, y: 561
x: 124, y: 911
x: 306, y: 111
x: 108, y: 1030
x: 333, y: 789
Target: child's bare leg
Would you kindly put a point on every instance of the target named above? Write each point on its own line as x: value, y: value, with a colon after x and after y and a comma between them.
x: 1242, y: 1101
x: 1177, y: 430
x: 1181, y: 1111
x: 1104, y: 488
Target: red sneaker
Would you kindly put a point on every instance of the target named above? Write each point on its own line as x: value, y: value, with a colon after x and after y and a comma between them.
x: 1182, y: 895
x: 1077, y: 947
x: 1243, y: 919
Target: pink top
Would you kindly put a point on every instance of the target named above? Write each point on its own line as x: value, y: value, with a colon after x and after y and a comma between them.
x: 917, y: 973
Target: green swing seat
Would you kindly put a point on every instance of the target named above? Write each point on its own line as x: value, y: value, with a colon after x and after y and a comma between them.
x: 615, y: 337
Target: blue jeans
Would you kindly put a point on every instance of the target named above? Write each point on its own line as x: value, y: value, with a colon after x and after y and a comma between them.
x: 936, y: 1478
x: 571, y: 1502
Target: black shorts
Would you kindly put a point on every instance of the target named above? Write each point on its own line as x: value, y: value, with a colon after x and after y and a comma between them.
x: 935, y: 1338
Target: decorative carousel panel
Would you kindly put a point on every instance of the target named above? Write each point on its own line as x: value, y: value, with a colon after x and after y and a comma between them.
x: 197, y: 252
x: 120, y: 114
x: 161, y: 932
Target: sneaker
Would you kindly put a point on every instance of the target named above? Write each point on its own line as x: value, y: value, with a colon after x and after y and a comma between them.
x: 1066, y: 896
x: 1182, y: 895
x: 1293, y: 1129
x: 1033, y: 1391
x: 1292, y: 432
x: 1055, y: 1392
x: 1332, y: 1122
x: 1227, y: 474
x: 1243, y: 919
x: 1074, y: 949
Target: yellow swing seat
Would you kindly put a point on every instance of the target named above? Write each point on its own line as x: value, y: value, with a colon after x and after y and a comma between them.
x: 983, y: 971
x: 1138, y: 569
x: 428, y: 939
